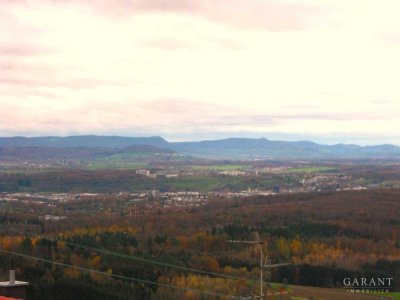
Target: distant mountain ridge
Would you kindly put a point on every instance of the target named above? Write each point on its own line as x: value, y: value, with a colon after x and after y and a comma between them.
x: 230, y: 148
x: 51, y: 152
x: 82, y: 141
x: 264, y: 148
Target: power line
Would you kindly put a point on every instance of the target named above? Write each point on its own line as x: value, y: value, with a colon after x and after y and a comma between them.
x: 263, y: 262
x: 113, y: 275
x: 125, y: 256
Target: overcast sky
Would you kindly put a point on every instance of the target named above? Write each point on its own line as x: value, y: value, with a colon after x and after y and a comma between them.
x: 324, y: 70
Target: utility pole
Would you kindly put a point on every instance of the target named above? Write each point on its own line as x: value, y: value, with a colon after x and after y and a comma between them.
x: 263, y: 262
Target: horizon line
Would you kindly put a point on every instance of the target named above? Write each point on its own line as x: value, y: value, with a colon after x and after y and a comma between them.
x: 202, y: 140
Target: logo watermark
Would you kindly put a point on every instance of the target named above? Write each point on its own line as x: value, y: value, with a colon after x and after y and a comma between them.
x: 368, y: 285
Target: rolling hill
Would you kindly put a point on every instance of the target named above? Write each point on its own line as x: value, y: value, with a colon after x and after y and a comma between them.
x: 231, y: 148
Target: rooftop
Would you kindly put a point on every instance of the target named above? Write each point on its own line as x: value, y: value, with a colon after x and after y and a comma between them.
x: 15, y: 283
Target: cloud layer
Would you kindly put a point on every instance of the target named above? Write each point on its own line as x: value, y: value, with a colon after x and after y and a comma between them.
x: 198, y: 69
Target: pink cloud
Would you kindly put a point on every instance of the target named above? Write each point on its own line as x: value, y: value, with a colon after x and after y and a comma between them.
x: 169, y: 44
x: 267, y: 15
x: 17, y: 73
x: 160, y: 116
x: 392, y: 38
x: 50, y: 82
x: 21, y: 50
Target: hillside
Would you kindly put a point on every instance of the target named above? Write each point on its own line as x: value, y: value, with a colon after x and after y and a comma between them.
x: 50, y: 153
x: 242, y: 148
x: 82, y: 141
x: 232, y: 148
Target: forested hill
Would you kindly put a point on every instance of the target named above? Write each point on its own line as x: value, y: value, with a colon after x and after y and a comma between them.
x: 232, y: 148
x: 263, y: 148
x: 82, y: 141
x: 48, y: 153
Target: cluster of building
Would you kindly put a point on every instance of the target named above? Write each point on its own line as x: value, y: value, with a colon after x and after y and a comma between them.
x: 312, y: 182
x: 157, y: 174
x: 190, y: 172
x: 40, y: 198
x: 52, y: 218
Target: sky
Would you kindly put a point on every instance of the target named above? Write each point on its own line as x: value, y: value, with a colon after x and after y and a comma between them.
x: 322, y: 70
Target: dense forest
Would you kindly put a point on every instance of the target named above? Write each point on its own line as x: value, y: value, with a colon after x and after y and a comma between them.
x: 325, y: 236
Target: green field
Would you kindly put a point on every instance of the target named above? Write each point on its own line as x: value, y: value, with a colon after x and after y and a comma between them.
x: 120, y: 161
x: 306, y: 292
x: 122, y: 165
x: 225, y: 167
x: 311, y: 169
x: 395, y: 295
x: 218, y: 183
